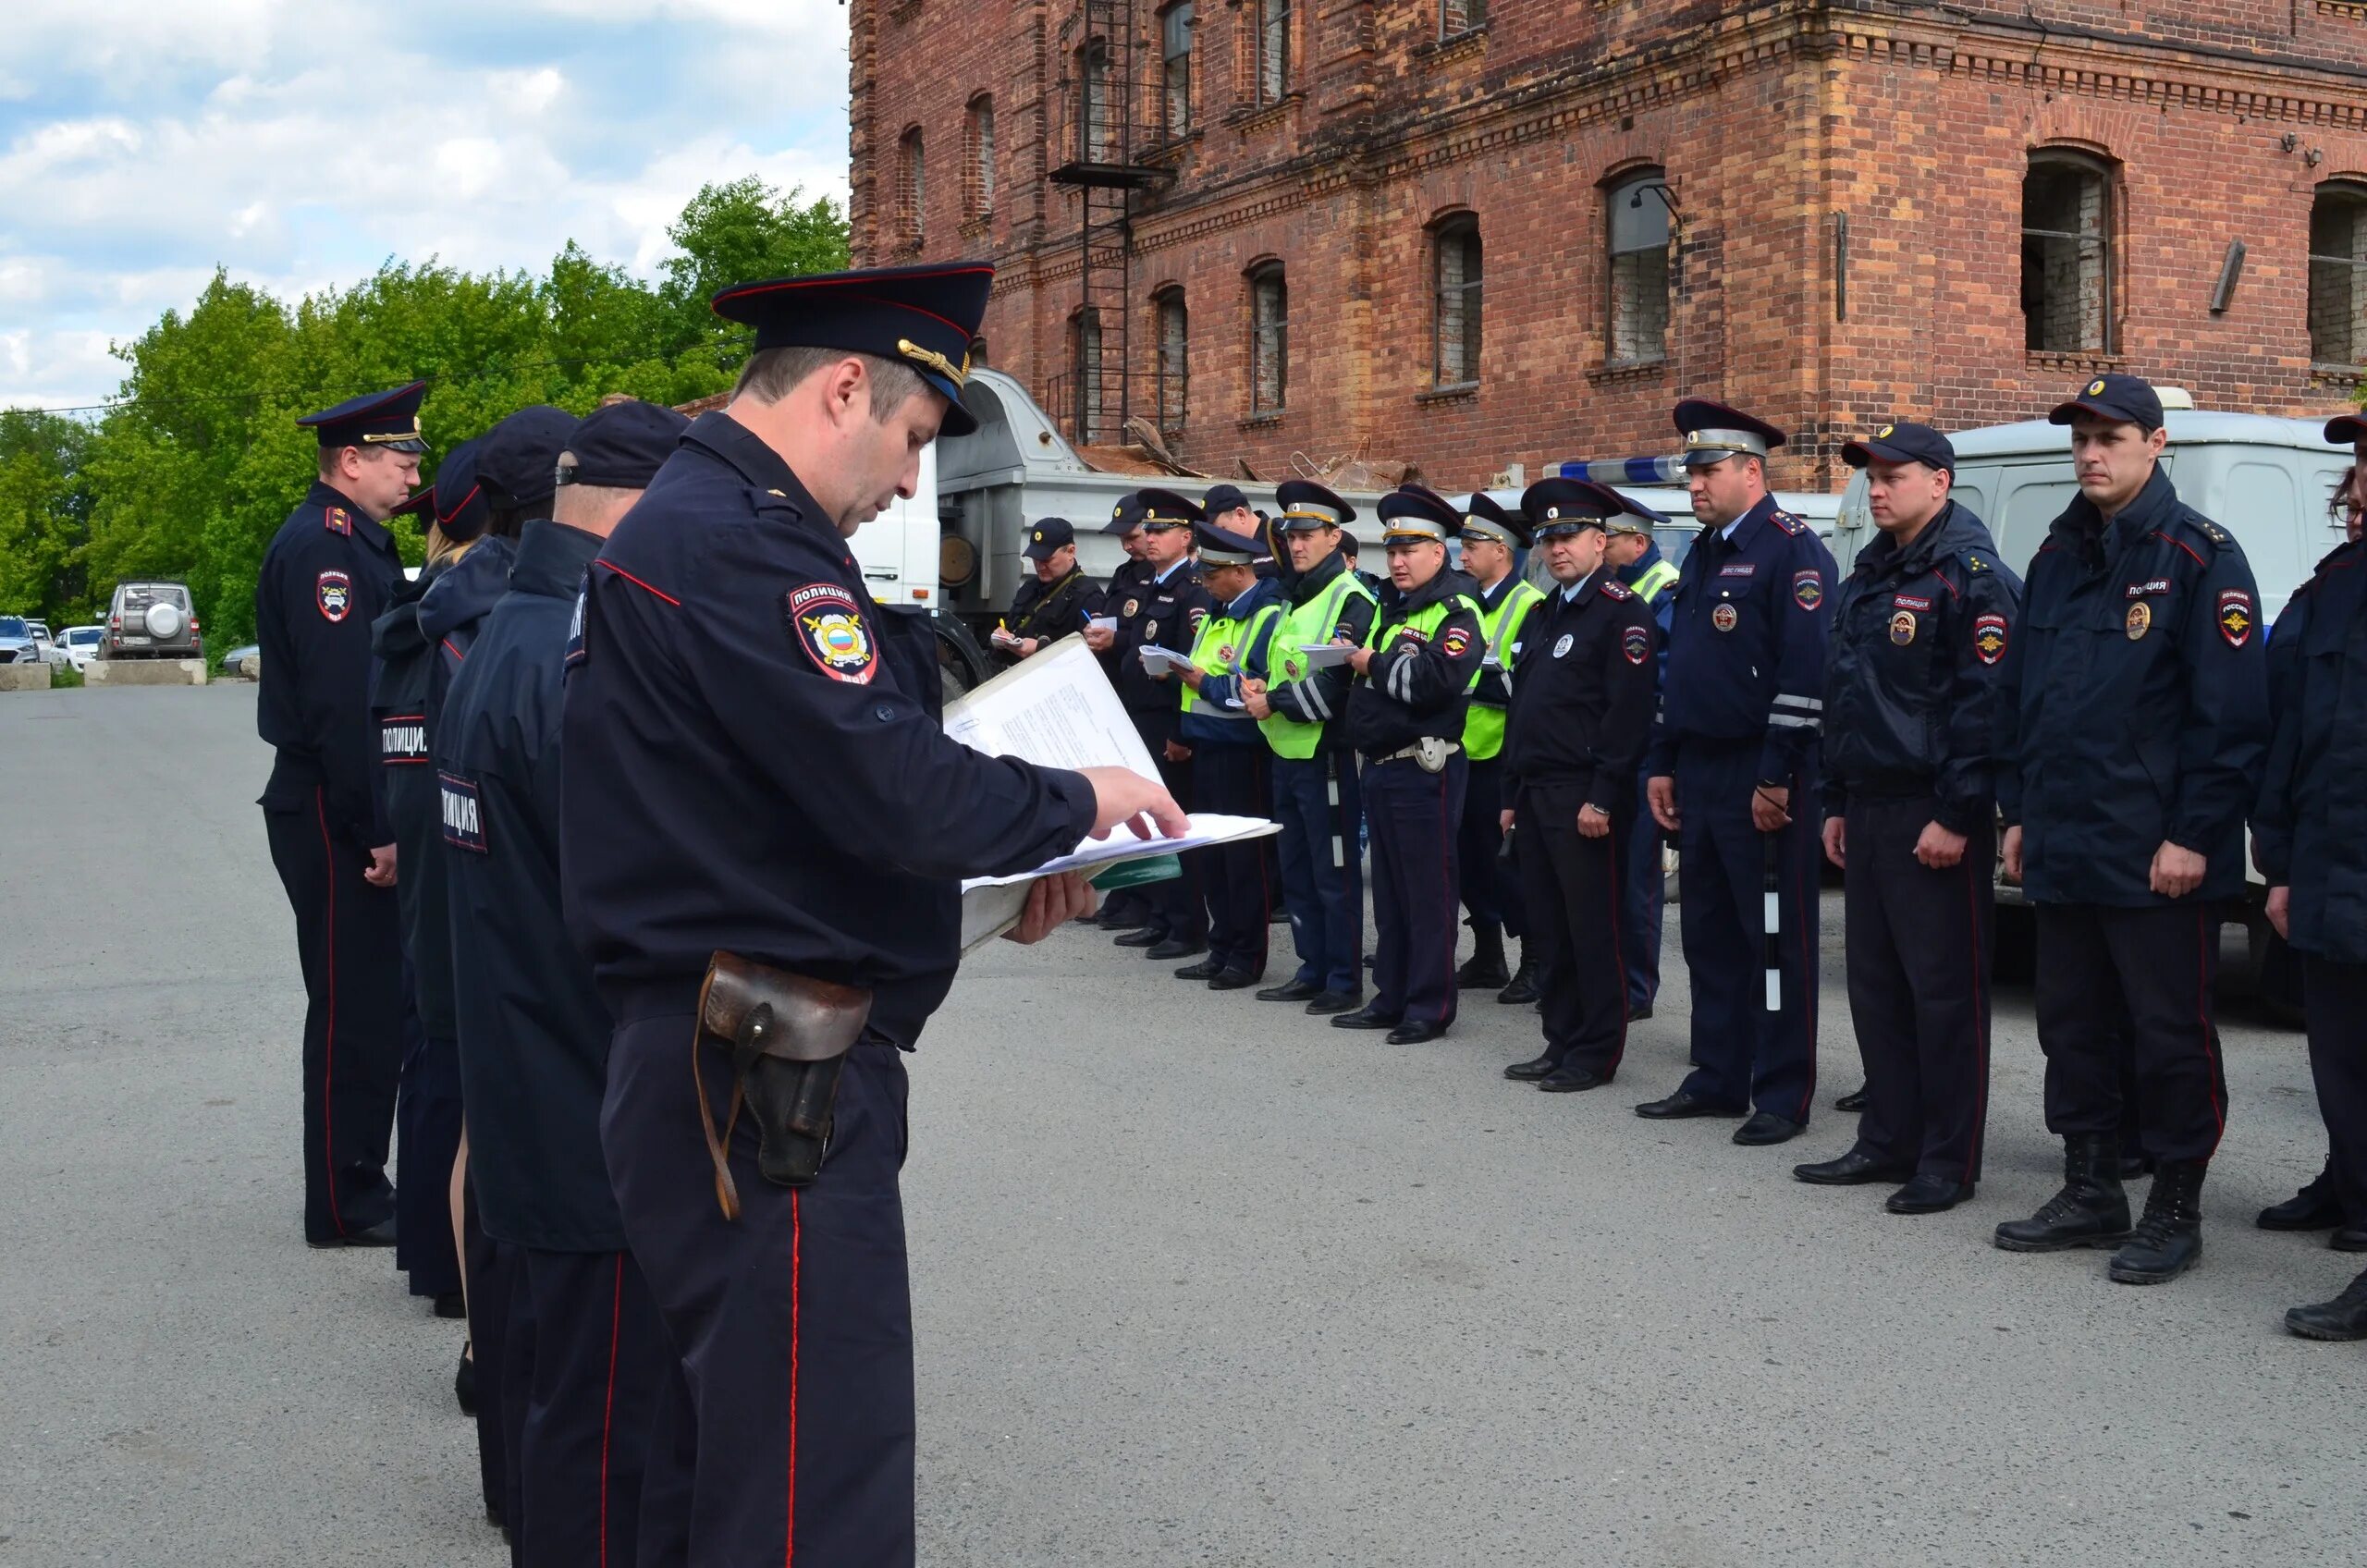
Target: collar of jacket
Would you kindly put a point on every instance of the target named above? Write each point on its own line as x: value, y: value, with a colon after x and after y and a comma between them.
x: 366, y: 528
x: 1885, y: 558
x: 1444, y: 586
x: 396, y: 633
x: 552, y: 559
x: 1256, y: 597
x: 470, y: 587
x: 2081, y: 519
x: 1633, y: 573
x: 1317, y: 578
x: 1748, y: 528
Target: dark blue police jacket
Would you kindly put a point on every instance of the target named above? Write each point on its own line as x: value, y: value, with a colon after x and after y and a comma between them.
x: 1746, y: 643
x: 753, y: 758
x: 533, y: 1036
x: 2310, y: 829
x: 2133, y: 703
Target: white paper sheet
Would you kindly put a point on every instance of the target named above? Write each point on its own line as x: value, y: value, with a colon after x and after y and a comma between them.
x: 1208, y: 827
x: 1320, y: 655
x: 1155, y: 657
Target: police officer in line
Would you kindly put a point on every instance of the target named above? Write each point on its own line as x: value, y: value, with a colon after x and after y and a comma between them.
x: 1406, y: 712
x: 534, y: 1036
x: 1054, y: 603
x: 2132, y: 732
x: 1492, y: 539
x: 1581, y: 719
x: 1633, y: 556
x: 1125, y: 909
x: 327, y: 575
x: 1302, y: 710
x: 1733, y: 761
x: 1231, y: 766
x: 1164, y: 611
x: 1920, y: 627
x: 754, y: 771
x: 1226, y: 508
x: 2314, y: 860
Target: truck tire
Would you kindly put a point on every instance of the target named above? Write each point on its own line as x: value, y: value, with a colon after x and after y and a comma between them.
x: 164, y: 621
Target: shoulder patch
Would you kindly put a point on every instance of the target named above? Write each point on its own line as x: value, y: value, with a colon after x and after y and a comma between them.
x: 402, y: 738
x: 1635, y: 643
x: 337, y: 519
x: 464, y: 814
x: 2235, y: 616
x: 1456, y: 641
x: 1616, y: 590
x: 333, y: 595
x: 1989, y: 632
x: 1808, y: 589
x: 1787, y: 523
x: 825, y: 620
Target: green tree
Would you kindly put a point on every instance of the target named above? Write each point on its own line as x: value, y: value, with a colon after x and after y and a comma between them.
x: 739, y: 233
x: 44, y: 510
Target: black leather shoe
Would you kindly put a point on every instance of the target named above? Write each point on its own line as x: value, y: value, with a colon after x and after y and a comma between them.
x: 1414, y: 1034
x: 382, y: 1234
x: 1571, y: 1081
x: 1231, y: 980
x: 1143, y: 937
x: 2317, y: 1206
x: 464, y: 1383
x: 1928, y: 1195
x: 1291, y: 991
x: 451, y: 1303
x: 2350, y: 1238
x: 1365, y: 1018
x: 2345, y: 1317
x: 1207, y: 969
x: 1766, y: 1127
x: 1328, y: 1002
x: 1853, y: 1101
x: 1523, y: 989
x: 1856, y: 1169
x: 1680, y: 1105
x: 1173, y: 948
x: 1637, y: 1014
x: 1531, y: 1070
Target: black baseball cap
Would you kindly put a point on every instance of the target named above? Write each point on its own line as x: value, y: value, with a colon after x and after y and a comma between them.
x: 2124, y: 399
x: 1223, y: 499
x: 623, y: 444
x: 2344, y: 429
x: 1047, y: 538
x: 1904, y: 442
x: 518, y: 460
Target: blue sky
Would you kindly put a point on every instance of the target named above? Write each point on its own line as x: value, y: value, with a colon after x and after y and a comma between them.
x: 301, y: 142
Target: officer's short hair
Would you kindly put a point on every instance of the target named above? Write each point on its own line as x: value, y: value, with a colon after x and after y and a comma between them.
x: 771, y: 375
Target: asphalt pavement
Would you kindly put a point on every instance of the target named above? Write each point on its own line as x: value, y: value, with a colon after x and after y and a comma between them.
x: 1198, y: 1279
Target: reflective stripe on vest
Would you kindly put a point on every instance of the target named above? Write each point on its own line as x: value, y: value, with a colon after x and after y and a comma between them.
x: 1655, y: 581
x: 1309, y: 622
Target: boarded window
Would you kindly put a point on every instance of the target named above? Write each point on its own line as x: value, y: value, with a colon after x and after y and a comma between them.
x: 2066, y: 256
x: 1095, y: 128
x: 910, y: 197
x: 1273, y: 49
x: 978, y: 156
x: 1175, y: 67
x: 1269, y: 340
x: 2339, y: 276
x: 1639, y: 232
x: 1174, y: 371
x: 1085, y: 356
x: 1455, y: 301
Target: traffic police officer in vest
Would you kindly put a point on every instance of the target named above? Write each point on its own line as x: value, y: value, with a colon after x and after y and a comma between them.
x: 1920, y: 627
x: 1126, y: 909
x: 534, y: 1036
x: 1734, y: 759
x: 1492, y: 539
x: 327, y: 575
x: 1054, y: 603
x: 1231, y: 765
x: 1581, y: 717
x: 2316, y: 863
x: 1633, y: 556
x: 1164, y: 612
x: 763, y: 833
x: 2133, y: 728
x: 1406, y: 712
x: 1302, y: 709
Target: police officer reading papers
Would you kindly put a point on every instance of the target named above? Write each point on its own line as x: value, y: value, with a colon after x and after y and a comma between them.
x: 1920, y: 628
x: 1055, y: 602
x: 763, y: 832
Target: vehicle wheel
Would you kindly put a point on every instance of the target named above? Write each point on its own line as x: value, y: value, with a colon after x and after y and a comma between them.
x: 164, y: 621
x: 2017, y: 957
x: 2275, y: 972
x: 951, y: 674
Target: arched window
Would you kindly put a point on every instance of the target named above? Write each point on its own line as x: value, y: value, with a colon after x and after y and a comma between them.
x: 2338, y: 274
x: 2066, y: 255
x: 978, y: 156
x: 1269, y: 340
x: 910, y: 197
x: 1094, y: 125
x: 1174, y: 347
x: 1454, y: 301
x: 1085, y: 362
x: 978, y: 353
x: 1175, y: 67
x: 1273, y: 74
x: 1637, y: 234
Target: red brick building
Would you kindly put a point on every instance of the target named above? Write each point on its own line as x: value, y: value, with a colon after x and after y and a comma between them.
x: 1475, y: 232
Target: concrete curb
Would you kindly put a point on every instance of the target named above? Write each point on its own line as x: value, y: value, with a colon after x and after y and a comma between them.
x: 145, y: 672
x: 24, y: 677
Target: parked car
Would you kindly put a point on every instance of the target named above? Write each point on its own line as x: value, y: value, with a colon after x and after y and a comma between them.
x: 81, y: 645
x: 151, y: 620
x: 17, y: 644
x: 50, y: 651
x: 245, y: 662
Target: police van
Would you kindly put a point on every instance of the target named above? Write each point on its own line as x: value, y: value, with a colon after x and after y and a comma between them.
x: 2268, y: 482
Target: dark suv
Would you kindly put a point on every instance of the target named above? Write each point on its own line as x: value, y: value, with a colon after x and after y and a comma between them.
x: 151, y: 620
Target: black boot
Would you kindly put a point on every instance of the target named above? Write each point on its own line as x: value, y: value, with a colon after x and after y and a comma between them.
x: 2317, y: 1206
x: 2091, y: 1210
x: 1521, y: 990
x: 2168, y: 1238
x: 1486, y: 965
x: 2345, y: 1317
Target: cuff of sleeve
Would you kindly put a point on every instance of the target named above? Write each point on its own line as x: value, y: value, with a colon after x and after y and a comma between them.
x: 1960, y: 817
x: 1074, y: 792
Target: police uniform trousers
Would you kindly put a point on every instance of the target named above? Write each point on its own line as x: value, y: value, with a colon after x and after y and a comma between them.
x: 1646, y: 901
x: 1743, y: 1054
x: 1920, y: 946
x: 2334, y: 1002
x: 427, y: 1132
x: 1235, y: 781
x: 591, y: 1391
x: 349, y: 943
x: 2112, y: 979
x: 1413, y: 814
x: 1319, y: 803
x: 1491, y: 891
x: 1178, y: 905
x: 493, y: 1281
x: 1575, y: 889
x: 787, y: 1436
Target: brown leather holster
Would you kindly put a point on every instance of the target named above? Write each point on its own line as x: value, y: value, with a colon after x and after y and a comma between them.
x: 787, y: 1037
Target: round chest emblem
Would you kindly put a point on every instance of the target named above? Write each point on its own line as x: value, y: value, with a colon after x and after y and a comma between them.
x: 1902, y: 628
x: 1723, y: 618
x: 1562, y: 647
x: 1131, y: 605
x: 2141, y: 617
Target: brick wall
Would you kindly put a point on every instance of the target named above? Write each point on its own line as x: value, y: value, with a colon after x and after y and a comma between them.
x: 1773, y: 124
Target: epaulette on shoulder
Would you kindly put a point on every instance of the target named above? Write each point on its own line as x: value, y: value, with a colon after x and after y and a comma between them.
x: 337, y: 519
x: 2209, y: 530
x: 1614, y: 590
x: 1974, y: 560
x: 1787, y: 523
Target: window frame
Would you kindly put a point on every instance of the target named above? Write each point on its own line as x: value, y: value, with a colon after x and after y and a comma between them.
x: 1619, y: 186
x: 2351, y: 194
x: 2106, y: 174
x: 1457, y: 230
x: 978, y: 154
x: 1086, y: 365
x: 1270, y: 45
x: 1172, y: 371
x: 1175, y: 100
x: 1092, y: 87
x: 1474, y: 14
x: 1261, y: 276
x: 912, y: 186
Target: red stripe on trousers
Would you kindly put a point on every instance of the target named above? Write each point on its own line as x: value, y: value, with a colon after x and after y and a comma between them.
x: 796, y: 1240
x: 328, y: 1046
x: 608, y: 1408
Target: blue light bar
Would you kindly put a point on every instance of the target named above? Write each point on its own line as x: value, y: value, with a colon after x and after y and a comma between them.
x: 1627, y: 471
